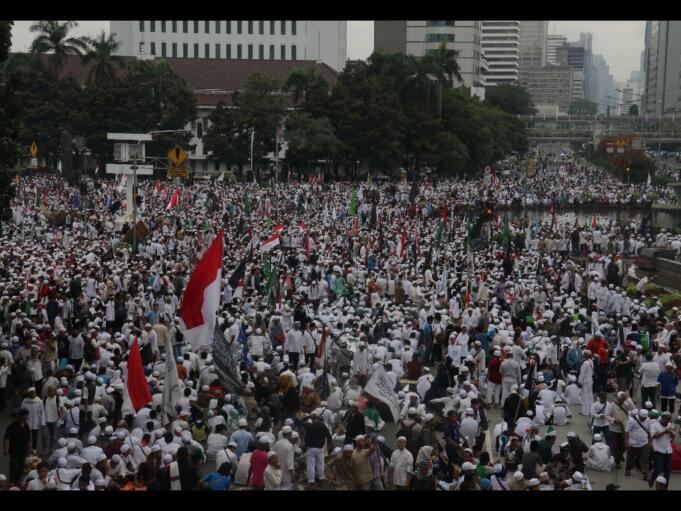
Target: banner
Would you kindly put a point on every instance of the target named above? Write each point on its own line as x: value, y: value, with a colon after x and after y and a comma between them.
x: 379, y: 388
x: 225, y: 362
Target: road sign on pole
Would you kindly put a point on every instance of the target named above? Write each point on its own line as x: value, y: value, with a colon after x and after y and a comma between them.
x: 34, y: 150
x: 177, y: 156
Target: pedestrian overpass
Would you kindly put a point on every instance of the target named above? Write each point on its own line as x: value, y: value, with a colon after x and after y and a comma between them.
x: 593, y: 128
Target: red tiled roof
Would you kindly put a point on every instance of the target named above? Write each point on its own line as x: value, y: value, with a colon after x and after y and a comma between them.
x: 217, y: 74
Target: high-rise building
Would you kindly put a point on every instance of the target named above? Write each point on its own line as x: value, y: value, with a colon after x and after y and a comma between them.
x: 500, y: 43
x: 662, y: 67
x: 533, y: 41
x: 320, y: 41
x: 550, y: 88
x: 419, y: 38
x: 554, y: 41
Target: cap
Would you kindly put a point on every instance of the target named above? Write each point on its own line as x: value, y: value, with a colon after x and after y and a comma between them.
x: 242, y: 423
x: 571, y: 434
x: 533, y: 482
x: 467, y: 466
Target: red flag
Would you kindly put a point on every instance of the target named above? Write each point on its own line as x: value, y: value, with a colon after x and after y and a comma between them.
x: 201, y: 299
x: 164, y: 194
x: 158, y: 186
x: 138, y: 389
x: 16, y: 179
x: 174, y: 200
x: 593, y: 222
x: 444, y: 214
x: 355, y: 227
x: 44, y: 199
x: 322, y: 342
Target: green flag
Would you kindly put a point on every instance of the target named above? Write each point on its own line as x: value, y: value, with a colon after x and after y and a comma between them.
x: 190, y: 224
x: 206, y: 225
x: 353, y: 203
x: 247, y: 204
x: 506, y: 233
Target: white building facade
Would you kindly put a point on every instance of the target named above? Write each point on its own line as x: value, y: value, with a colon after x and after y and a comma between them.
x: 500, y: 48
x: 320, y: 41
x: 418, y: 38
x: 554, y: 41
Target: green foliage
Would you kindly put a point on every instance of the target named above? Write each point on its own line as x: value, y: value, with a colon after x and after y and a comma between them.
x: 633, y: 110
x: 101, y: 52
x: 149, y: 97
x: 259, y: 108
x: 53, y: 37
x: 510, y: 98
x: 583, y: 107
x: 309, y: 139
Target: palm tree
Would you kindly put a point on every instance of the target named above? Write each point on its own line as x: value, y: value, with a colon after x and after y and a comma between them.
x: 101, y: 50
x: 444, y: 66
x: 420, y: 82
x: 299, y: 82
x: 53, y: 38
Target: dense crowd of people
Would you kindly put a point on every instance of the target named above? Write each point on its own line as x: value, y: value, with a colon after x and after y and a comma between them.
x: 464, y: 320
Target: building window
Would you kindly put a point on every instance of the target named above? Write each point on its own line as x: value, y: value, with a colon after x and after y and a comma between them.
x: 206, y: 50
x: 185, y: 27
x: 153, y: 48
x: 271, y: 52
x: 282, y: 55
x: 438, y: 38
x: 238, y: 27
x: 250, y: 26
x: 174, y: 50
x: 261, y: 27
x: 141, y: 48
x: 271, y: 27
x: 250, y: 51
x: 185, y: 50
x: 196, y: 26
x: 163, y: 49
x: 261, y: 52
x: 163, y: 26
x: 141, y: 25
x: 283, y: 27
x: 228, y: 51
x: 217, y: 51
x: 152, y: 26
x: 217, y: 27
x: 293, y: 28
x: 238, y: 51
x: 293, y: 52
x: 174, y: 26
x: 228, y: 27
x: 206, y: 26
x: 196, y: 50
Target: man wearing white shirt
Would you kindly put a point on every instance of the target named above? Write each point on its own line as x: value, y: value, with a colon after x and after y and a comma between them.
x: 636, y: 438
x: 401, y: 465
x: 662, y: 435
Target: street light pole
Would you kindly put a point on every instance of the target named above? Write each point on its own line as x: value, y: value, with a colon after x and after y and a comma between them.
x: 134, y: 206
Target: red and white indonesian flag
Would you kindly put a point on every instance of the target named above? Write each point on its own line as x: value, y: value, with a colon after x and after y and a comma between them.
x: 173, y: 200
x: 201, y: 299
x: 401, y: 245
x: 270, y: 242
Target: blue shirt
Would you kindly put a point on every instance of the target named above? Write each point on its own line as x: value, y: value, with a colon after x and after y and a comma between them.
x: 668, y: 383
x: 242, y: 439
x: 217, y: 482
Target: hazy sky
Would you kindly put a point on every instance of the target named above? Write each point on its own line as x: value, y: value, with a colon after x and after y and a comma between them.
x: 620, y: 42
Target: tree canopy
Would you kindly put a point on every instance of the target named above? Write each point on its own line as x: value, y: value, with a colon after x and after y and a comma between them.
x: 583, y: 107
x: 513, y: 99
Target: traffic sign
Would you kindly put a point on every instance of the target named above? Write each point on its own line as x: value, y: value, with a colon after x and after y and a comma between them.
x: 177, y: 171
x: 177, y: 155
x: 34, y: 150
